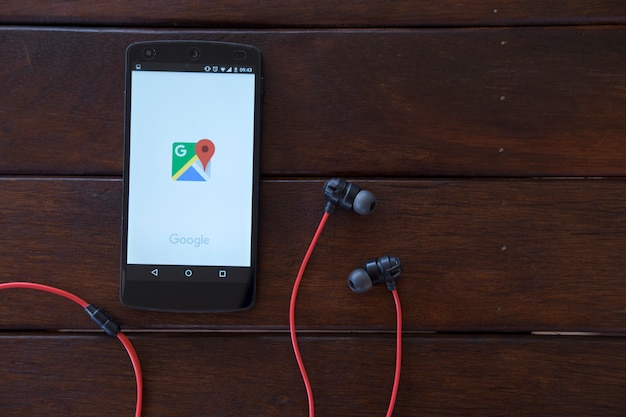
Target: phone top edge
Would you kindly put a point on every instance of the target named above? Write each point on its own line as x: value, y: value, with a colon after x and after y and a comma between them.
x: 195, y: 56
x: 182, y: 43
x: 191, y: 41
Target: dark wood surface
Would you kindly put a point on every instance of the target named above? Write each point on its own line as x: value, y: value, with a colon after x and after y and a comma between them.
x: 493, y: 136
x: 322, y: 13
x: 448, y: 102
x: 255, y: 375
x: 480, y: 255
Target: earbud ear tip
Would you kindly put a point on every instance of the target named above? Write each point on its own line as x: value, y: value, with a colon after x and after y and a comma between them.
x: 359, y: 281
x: 364, y: 202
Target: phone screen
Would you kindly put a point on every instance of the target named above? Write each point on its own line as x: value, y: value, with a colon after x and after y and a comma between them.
x: 190, y: 176
x: 191, y: 153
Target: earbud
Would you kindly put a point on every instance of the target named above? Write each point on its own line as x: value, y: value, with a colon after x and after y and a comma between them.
x: 349, y: 196
x: 384, y: 269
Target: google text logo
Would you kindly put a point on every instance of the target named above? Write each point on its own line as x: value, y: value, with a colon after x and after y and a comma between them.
x: 196, y: 241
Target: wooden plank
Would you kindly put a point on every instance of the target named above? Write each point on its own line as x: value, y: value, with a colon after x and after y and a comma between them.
x: 406, y: 102
x: 486, y: 255
x: 234, y: 375
x: 319, y: 14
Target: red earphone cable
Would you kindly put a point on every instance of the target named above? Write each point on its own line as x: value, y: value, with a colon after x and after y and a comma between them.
x: 134, y: 358
x: 396, y: 379
x: 292, y: 328
x: 120, y: 336
x: 292, y: 313
x: 45, y: 288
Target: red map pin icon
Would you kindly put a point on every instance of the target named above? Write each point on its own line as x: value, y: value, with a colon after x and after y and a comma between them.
x: 205, y: 150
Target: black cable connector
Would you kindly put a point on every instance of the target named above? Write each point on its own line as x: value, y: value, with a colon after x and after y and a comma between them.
x: 103, y: 320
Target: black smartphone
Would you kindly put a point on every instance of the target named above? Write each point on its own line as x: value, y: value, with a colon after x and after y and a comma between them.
x: 191, y: 176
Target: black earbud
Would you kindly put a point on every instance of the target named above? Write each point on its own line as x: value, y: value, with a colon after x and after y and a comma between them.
x: 345, y: 194
x: 384, y: 269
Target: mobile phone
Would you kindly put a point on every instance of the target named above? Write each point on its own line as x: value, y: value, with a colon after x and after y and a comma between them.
x: 191, y: 176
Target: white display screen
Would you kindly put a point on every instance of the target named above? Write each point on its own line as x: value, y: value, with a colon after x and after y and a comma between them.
x: 190, y: 174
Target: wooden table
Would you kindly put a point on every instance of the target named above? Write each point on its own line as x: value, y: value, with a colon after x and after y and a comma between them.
x: 494, y: 136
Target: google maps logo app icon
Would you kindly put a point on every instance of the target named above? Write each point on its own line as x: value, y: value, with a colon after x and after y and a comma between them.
x: 191, y: 160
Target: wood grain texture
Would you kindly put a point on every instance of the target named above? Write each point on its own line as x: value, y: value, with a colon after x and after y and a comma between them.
x: 505, y: 102
x: 256, y: 375
x: 323, y: 13
x: 455, y: 114
x: 486, y: 255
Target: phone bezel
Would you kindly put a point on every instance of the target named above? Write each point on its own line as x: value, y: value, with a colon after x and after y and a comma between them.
x: 179, y: 293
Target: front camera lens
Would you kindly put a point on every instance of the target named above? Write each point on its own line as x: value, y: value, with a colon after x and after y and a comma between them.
x: 149, y: 53
x: 193, y: 53
x: 239, y: 54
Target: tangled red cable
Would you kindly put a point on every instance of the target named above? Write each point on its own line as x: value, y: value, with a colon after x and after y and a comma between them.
x: 102, y: 319
x: 292, y: 328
